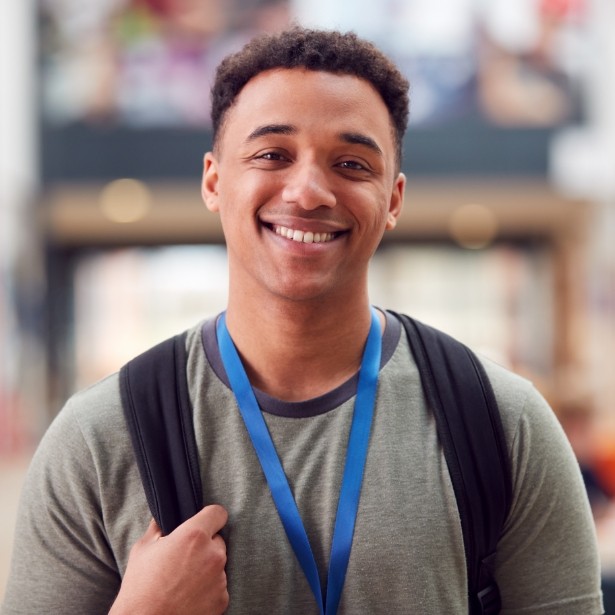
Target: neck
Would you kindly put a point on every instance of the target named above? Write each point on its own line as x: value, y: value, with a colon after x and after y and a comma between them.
x: 299, y: 350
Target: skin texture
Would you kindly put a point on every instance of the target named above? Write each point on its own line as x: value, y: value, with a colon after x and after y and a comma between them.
x: 314, y: 152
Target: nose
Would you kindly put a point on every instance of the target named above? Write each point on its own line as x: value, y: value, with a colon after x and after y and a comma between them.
x: 307, y: 186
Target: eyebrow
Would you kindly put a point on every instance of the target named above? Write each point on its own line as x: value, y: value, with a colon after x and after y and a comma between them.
x: 357, y: 138
x: 271, y: 129
x: 354, y: 138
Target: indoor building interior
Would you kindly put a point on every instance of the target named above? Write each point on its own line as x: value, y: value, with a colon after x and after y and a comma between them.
x: 506, y: 240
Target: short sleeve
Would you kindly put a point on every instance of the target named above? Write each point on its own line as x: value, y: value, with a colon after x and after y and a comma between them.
x: 62, y: 563
x: 547, y: 560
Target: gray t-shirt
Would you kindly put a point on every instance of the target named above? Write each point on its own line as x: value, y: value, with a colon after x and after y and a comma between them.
x: 83, y: 505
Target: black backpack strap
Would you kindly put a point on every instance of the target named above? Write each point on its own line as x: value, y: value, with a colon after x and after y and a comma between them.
x: 471, y: 434
x: 158, y: 411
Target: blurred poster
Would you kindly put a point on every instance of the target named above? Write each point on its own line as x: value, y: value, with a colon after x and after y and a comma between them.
x: 513, y: 63
x: 150, y: 62
x: 434, y: 44
x: 142, y: 62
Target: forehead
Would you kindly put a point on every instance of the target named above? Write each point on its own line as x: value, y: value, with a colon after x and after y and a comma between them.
x: 311, y: 101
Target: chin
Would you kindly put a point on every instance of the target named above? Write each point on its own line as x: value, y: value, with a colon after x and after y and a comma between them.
x: 306, y: 293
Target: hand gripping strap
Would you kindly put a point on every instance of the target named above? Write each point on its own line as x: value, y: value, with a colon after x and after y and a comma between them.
x: 470, y: 431
x: 154, y: 392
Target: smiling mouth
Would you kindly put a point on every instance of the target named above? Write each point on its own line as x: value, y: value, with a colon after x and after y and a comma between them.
x: 303, y: 236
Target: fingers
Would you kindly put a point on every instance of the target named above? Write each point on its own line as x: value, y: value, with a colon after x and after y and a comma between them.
x: 193, y: 556
x: 210, y: 519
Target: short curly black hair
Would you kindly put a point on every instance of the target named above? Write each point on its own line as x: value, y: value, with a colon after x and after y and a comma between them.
x: 320, y: 50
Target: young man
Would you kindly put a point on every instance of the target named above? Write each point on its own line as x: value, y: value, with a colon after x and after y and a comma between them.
x: 305, y: 175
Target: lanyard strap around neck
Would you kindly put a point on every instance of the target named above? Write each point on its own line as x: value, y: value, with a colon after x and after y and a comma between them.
x: 356, y: 456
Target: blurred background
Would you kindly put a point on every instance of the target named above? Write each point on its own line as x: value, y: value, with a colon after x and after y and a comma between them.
x: 506, y: 241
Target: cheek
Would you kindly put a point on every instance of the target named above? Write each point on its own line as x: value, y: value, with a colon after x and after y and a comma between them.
x: 372, y: 208
x: 246, y: 193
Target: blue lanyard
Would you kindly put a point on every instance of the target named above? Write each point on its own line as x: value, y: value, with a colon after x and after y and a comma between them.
x: 356, y: 455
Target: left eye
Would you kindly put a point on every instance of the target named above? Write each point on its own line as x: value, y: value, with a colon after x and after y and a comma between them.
x: 352, y: 164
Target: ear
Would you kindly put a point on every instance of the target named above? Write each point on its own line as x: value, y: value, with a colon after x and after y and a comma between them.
x: 209, y: 184
x: 396, y: 203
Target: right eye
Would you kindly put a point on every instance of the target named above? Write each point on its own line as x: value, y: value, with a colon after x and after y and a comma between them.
x: 274, y: 156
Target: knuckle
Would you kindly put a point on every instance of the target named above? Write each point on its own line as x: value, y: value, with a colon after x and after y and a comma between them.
x: 195, y: 535
x: 218, y: 558
x: 224, y: 600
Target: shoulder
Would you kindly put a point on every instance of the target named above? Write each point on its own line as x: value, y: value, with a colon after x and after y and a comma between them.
x: 533, y: 432
x: 90, y: 430
x: 549, y: 520
x: 518, y: 400
x: 89, y: 418
x: 534, y: 436
x: 514, y: 394
x: 96, y: 406
x: 97, y: 409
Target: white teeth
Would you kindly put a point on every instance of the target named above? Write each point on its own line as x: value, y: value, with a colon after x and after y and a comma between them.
x: 303, y: 237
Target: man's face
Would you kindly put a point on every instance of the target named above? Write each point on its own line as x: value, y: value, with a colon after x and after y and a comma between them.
x: 304, y: 179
